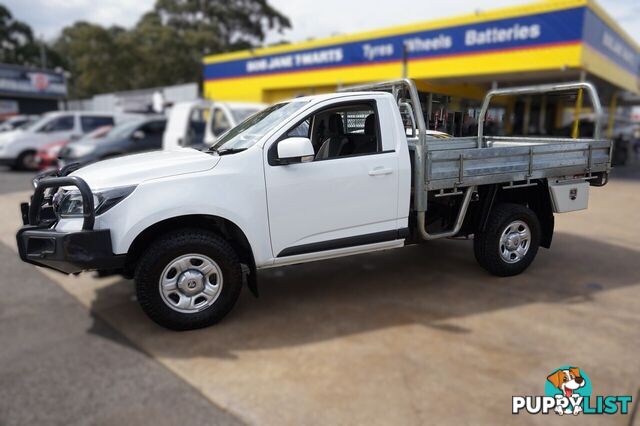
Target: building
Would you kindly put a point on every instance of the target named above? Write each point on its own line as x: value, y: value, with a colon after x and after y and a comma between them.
x: 29, y: 90
x: 154, y: 99
x: 454, y: 61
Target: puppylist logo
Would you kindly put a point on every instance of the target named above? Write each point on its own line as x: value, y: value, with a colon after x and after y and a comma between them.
x: 568, y: 391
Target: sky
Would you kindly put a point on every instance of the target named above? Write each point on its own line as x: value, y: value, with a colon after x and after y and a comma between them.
x: 310, y: 18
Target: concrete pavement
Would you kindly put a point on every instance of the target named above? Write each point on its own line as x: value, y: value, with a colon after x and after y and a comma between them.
x: 414, y: 336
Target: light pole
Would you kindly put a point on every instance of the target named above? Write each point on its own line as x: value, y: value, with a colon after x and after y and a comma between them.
x: 43, y: 53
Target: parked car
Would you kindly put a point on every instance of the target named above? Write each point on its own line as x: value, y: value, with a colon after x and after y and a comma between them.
x: 47, y: 156
x: 143, y: 134
x: 190, y: 226
x: 198, y: 124
x: 18, y: 147
x: 17, y: 121
x: 622, y: 136
x: 624, y: 139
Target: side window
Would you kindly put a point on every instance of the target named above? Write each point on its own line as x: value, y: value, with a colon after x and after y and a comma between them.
x: 153, y: 129
x: 59, y: 124
x: 150, y: 134
x: 220, y: 123
x: 301, y: 130
x: 196, y: 129
x: 91, y: 122
x: 157, y: 127
x: 345, y: 131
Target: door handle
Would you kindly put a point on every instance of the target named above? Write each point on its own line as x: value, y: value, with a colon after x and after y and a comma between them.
x: 379, y: 171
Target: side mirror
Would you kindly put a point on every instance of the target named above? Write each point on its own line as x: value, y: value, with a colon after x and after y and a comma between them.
x: 138, y: 134
x: 295, y: 150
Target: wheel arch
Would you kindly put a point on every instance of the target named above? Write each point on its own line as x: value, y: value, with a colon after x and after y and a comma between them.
x: 536, y: 197
x: 27, y: 150
x: 224, y: 227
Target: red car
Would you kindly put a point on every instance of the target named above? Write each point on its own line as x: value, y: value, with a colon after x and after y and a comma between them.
x: 47, y: 156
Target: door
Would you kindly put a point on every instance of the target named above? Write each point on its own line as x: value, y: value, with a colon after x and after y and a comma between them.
x: 59, y: 128
x: 346, y: 196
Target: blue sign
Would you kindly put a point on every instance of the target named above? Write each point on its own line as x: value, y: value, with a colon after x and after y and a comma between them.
x: 22, y: 81
x: 551, y: 28
x: 601, y: 37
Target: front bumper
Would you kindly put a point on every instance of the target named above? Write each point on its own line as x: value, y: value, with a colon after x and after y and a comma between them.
x: 68, y: 252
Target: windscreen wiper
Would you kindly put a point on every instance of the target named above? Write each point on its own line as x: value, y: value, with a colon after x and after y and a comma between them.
x: 226, y: 151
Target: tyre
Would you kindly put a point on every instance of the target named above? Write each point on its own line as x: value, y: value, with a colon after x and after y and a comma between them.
x: 510, y: 241
x: 26, y: 161
x: 188, y: 279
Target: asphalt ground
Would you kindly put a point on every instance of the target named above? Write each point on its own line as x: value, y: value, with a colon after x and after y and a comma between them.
x: 13, y: 181
x: 61, y: 364
x: 414, y: 336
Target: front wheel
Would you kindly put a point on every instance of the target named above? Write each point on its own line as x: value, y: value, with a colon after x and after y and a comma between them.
x: 26, y: 161
x: 188, y: 279
x: 510, y: 241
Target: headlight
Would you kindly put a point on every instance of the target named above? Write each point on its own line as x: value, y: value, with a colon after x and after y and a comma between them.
x: 69, y: 204
x: 81, y: 149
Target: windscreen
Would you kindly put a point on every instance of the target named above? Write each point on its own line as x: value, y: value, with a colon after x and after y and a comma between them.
x: 241, y: 114
x: 247, y: 133
x: 39, y: 123
x: 124, y: 129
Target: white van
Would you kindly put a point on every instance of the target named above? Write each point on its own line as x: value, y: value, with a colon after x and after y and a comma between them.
x: 198, y: 124
x: 18, y: 147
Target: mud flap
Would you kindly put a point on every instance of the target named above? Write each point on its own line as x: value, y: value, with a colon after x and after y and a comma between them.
x: 252, y: 282
x: 251, y: 276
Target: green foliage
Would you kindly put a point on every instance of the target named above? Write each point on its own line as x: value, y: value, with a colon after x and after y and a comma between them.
x: 166, y: 45
x: 161, y: 56
x: 19, y: 46
x: 93, y: 57
x: 221, y: 25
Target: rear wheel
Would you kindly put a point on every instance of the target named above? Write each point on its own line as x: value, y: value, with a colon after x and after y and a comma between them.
x: 188, y: 279
x: 510, y: 241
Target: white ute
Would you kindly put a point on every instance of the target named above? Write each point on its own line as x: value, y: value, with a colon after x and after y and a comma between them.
x: 309, y: 179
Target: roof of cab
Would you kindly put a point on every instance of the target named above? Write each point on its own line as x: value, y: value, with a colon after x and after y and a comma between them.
x: 336, y: 95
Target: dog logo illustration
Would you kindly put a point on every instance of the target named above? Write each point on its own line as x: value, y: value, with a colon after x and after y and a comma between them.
x: 567, y: 381
x: 567, y: 390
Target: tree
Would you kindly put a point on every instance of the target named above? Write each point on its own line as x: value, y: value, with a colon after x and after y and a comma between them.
x: 14, y: 36
x: 93, y: 57
x: 165, y: 47
x: 221, y: 25
x: 159, y: 54
x: 19, y: 46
